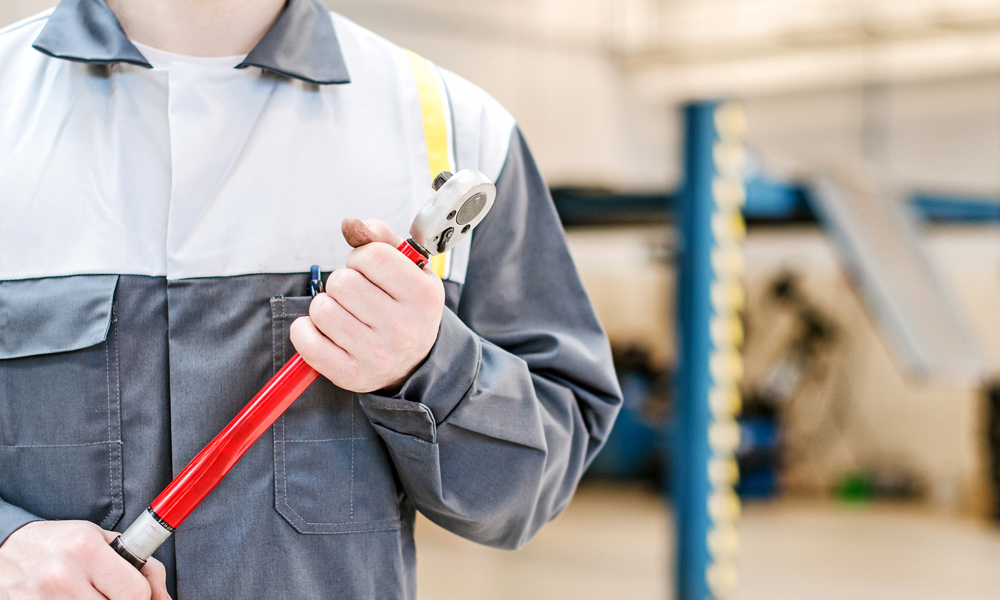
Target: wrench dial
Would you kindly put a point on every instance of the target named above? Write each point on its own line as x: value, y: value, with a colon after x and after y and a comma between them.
x: 457, y: 207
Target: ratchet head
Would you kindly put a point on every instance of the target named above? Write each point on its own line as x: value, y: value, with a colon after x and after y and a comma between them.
x: 460, y: 203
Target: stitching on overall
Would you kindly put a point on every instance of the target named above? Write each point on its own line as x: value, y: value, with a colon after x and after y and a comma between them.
x: 277, y: 333
x: 391, y: 521
x: 343, y: 439
x: 30, y: 446
x: 111, y: 448
x: 116, y: 491
x: 274, y: 428
x: 389, y: 524
x: 353, y: 401
x: 284, y: 452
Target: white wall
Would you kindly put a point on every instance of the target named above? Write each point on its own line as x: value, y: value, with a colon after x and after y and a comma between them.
x: 890, y: 418
x: 15, y: 10
x: 942, y: 136
x: 549, y: 62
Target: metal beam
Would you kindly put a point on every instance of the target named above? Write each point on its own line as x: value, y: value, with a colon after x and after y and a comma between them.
x: 710, y: 300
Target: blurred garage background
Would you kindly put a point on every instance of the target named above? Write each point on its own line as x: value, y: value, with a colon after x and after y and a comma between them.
x: 866, y: 142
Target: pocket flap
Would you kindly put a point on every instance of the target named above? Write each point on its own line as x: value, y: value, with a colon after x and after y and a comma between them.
x: 54, y: 314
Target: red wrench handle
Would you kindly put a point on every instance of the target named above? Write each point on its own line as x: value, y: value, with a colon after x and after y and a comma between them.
x: 207, y: 469
x: 414, y: 252
x: 210, y: 466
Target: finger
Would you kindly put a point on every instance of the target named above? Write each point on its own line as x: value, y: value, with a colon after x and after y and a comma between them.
x: 356, y: 232
x: 360, y: 297
x: 73, y: 586
x: 156, y: 574
x: 116, y: 578
x: 320, y: 352
x: 337, y: 324
x: 388, y: 269
x: 90, y: 593
x: 161, y: 593
x: 109, y: 536
x: 359, y: 233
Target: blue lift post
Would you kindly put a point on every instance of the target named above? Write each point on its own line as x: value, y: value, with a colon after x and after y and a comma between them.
x: 710, y: 301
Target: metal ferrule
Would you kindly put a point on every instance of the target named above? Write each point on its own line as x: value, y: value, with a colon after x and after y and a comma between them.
x: 145, y: 535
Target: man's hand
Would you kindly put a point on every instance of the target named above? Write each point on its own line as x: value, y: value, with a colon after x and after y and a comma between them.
x: 63, y: 560
x: 379, y: 317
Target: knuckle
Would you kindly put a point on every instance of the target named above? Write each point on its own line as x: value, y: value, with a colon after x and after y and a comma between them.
x: 381, y: 357
x: 79, y: 543
x: 57, y: 579
x: 305, y: 344
x: 347, y: 379
x: 406, y: 337
x: 339, y: 279
x: 388, y: 253
x: 351, y: 368
x: 349, y: 283
x: 320, y: 309
x: 156, y: 568
x: 135, y: 586
x: 133, y: 593
x: 377, y: 255
x: 310, y: 349
x: 378, y: 226
x: 365, y: 258
x: 431, y: 292
x: 438, y: 286
x: 297, y: 331
x: 143, y: 592
x: 354, y: 281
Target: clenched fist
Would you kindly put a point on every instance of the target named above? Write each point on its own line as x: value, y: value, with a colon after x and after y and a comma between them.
x: 377, y: 320
x: 71, y: 560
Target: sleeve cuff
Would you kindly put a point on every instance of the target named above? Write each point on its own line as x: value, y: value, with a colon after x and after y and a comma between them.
x: 445, y: 378
x: 13, y: 518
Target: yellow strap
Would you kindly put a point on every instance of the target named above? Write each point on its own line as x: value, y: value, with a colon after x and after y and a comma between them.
x: 435, y: 119
x: 435, y: 133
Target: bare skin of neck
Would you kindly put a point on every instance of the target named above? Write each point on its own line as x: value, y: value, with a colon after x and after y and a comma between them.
x: 198, y: 27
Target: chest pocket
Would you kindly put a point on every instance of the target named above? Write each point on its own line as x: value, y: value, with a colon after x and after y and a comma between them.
x: 60, y: 421
x: 332, y: 472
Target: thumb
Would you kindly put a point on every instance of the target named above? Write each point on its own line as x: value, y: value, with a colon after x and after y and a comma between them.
x: 359, y: 233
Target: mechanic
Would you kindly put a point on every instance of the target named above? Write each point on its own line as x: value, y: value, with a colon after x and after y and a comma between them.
x: 169, y: 170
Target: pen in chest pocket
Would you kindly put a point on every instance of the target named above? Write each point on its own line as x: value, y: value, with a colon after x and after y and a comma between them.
x: 315, y: 281
x: 460, y: 202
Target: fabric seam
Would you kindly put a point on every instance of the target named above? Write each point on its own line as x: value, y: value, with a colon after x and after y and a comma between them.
x: 298, y: 521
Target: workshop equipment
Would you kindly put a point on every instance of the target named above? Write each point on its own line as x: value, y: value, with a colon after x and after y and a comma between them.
x: 884, y: 251
x: 460, y: 202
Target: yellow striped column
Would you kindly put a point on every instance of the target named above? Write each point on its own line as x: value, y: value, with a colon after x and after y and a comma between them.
x: 710, y: 303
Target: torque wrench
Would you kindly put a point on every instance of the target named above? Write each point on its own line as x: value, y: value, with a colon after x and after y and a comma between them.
x: 460, y: 202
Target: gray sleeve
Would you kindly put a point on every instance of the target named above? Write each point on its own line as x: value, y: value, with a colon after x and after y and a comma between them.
x: 13, y: 518
x: 492, y: 433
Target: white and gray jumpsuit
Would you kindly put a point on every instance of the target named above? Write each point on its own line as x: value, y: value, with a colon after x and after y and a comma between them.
x: 157, y: 226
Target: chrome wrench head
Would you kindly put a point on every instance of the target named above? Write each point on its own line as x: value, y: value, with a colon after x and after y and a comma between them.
x: 454, y: 211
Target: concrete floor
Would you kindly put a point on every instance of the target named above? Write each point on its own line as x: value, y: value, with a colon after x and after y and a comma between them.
x: 612, y: 543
